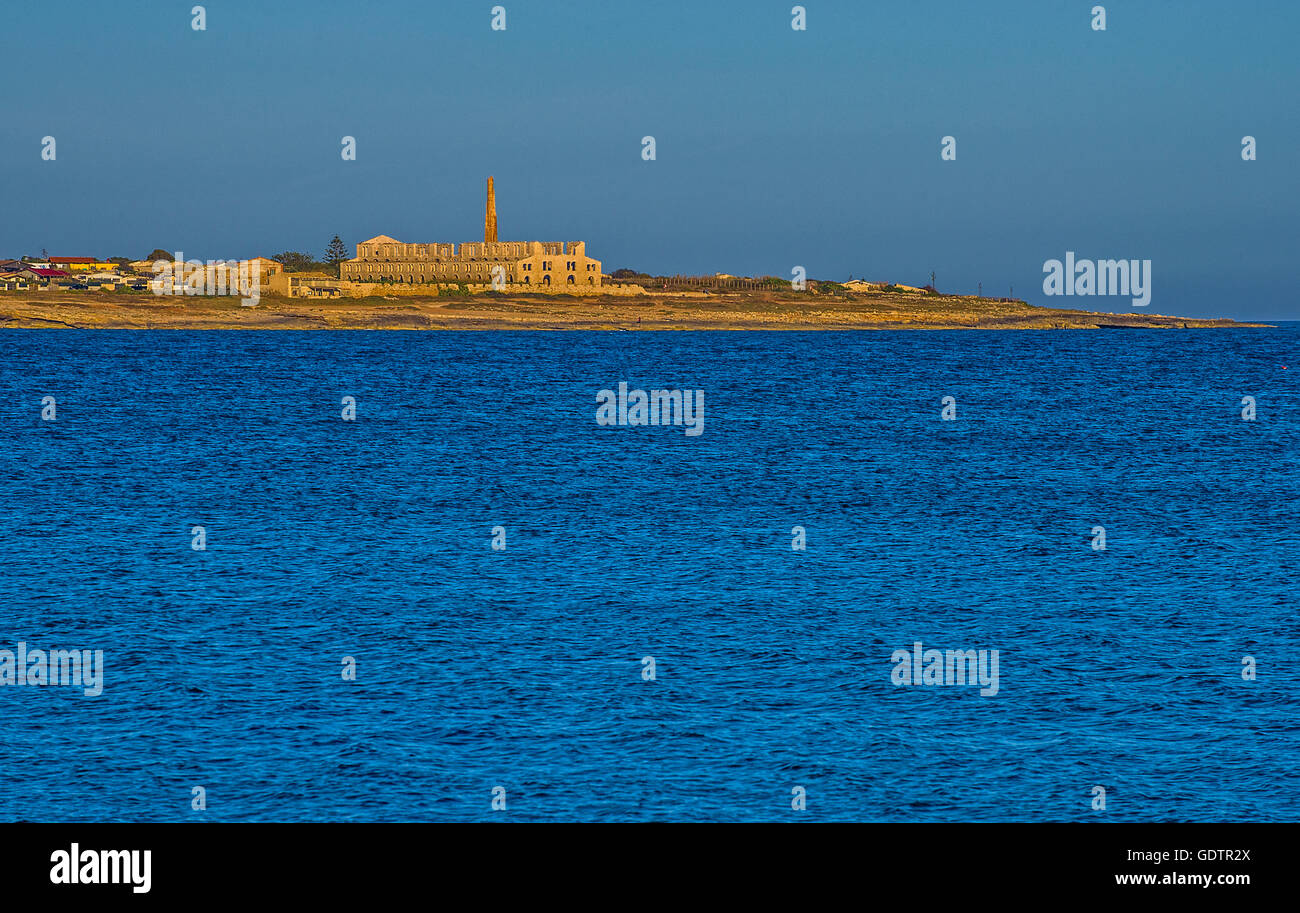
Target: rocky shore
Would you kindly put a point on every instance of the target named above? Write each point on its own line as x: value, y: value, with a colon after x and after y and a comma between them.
x: 751, y: 310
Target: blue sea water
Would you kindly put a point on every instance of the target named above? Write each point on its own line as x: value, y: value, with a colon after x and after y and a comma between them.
x: 522, y: 668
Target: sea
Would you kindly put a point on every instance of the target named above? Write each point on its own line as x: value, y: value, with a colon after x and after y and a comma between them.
x: 409, y: 576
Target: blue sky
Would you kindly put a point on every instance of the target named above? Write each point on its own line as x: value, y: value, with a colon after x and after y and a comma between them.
x: 775, y: 148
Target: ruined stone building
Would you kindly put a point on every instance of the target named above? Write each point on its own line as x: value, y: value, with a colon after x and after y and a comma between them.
x: 549, y: 265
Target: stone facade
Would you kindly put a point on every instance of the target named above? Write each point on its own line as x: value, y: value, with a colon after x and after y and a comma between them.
x: 545, y: 265
x: 539, y: 265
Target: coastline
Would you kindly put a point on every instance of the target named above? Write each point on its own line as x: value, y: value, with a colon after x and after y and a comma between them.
x: 722, y: 311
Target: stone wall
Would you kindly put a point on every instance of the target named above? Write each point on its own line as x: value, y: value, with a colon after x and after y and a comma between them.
x: 543, y: 265
x: 295, y: 285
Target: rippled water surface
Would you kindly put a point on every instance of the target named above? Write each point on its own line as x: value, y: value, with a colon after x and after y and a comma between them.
x: 522, y: 668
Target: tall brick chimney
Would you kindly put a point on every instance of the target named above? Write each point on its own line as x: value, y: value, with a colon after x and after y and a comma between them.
x: 490, y: 219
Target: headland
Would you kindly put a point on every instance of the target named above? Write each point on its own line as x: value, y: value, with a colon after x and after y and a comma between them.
x: 745, y: 309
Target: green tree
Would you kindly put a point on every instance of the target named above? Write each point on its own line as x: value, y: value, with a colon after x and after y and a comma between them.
x: 336, y: 253
x: 295, y: 261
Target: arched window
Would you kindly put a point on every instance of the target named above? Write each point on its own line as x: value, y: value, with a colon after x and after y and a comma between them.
x: 571, y: 279
x: 546, y: 280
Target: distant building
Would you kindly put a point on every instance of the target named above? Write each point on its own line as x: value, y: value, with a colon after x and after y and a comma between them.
x: 39, y: 276
x: 265, y: 265
x: 542, y: 264
x: 77, y: 264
